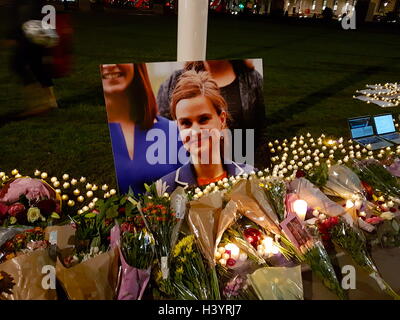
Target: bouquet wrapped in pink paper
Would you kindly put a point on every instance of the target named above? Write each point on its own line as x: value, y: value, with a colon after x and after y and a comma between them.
x: 136, y: 246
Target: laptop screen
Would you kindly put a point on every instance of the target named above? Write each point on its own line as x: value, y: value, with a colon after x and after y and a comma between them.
x: 384, y: 124
x: 361, y: 127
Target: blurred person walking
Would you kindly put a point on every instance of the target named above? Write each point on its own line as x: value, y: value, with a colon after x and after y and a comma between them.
x: 29, y: 56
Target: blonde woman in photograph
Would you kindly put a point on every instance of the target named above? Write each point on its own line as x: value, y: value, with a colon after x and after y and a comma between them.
x: 201, y: 115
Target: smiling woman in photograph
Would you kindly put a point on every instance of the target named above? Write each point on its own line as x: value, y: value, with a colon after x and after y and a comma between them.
x: 201, y: 115
x: 241, y: 85
x: 132, y: 113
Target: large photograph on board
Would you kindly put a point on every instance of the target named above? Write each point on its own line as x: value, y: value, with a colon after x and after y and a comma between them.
x: 184, y: 123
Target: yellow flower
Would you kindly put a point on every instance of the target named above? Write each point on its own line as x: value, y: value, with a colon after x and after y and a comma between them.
x: 158, y: 276
x: 189, y: 249
x: 185, y: 242
x: 179, y: 270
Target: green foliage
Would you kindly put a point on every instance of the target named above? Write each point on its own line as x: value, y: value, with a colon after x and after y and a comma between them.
x: 318, y: 175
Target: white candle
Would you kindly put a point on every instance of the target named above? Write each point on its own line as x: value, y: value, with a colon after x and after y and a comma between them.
x: 300, y: 208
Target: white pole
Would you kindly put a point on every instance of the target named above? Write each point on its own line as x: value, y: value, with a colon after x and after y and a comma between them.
x: 192, y: 30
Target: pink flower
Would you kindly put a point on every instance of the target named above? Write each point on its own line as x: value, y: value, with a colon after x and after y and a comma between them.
x: 374, y: 220
x: 31, y: 188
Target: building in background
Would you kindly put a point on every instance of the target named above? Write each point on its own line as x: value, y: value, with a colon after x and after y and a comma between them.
x: 307, y: 8
x: 310, y: 8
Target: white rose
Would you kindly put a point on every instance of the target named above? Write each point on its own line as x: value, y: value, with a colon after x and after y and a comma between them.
x: 33, y: 214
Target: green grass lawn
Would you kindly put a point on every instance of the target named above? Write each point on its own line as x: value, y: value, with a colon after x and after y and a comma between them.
x: 310, y: 75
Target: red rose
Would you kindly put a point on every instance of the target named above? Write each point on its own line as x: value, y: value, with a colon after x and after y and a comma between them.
x: 46, y: 207
x: 3, y: 209
x: 16, y: 209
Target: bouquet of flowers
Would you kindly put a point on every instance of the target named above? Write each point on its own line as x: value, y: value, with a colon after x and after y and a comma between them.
x: 191, y: 275
x: 236, y: 255
x: 244, y: 234
x: 136, y: 247
x: 28, y: 248
x: 24, y: 242
x: 375, y: 175
x: 27, y: 201
x: 162, y: 220
x: 351, y: 240
x: 308, y: 247
x: 92, y: 254
x: 276, y: 190
x: 344, y: 183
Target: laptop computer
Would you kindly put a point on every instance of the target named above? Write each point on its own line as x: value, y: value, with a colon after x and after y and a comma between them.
x: 385, y: 128
x: 362, y: 132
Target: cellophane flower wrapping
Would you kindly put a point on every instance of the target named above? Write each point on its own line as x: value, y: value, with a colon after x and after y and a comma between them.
x: 317, y: 258
x: 344, y: 183
x: 394, y: 167
x: 314, y: 197
x: 191, y: 275
x: 236, y: 256
x: 351, y: 240
x: 278, y: 283
x: 250, y: 241
x: 276, y: 192
x: 375, y: 174
x: 313, y: 252
x: 136, y: 247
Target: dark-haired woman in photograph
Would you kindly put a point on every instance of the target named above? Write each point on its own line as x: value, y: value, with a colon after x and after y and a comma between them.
x: 132, y: 113
x: 201, y: 115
